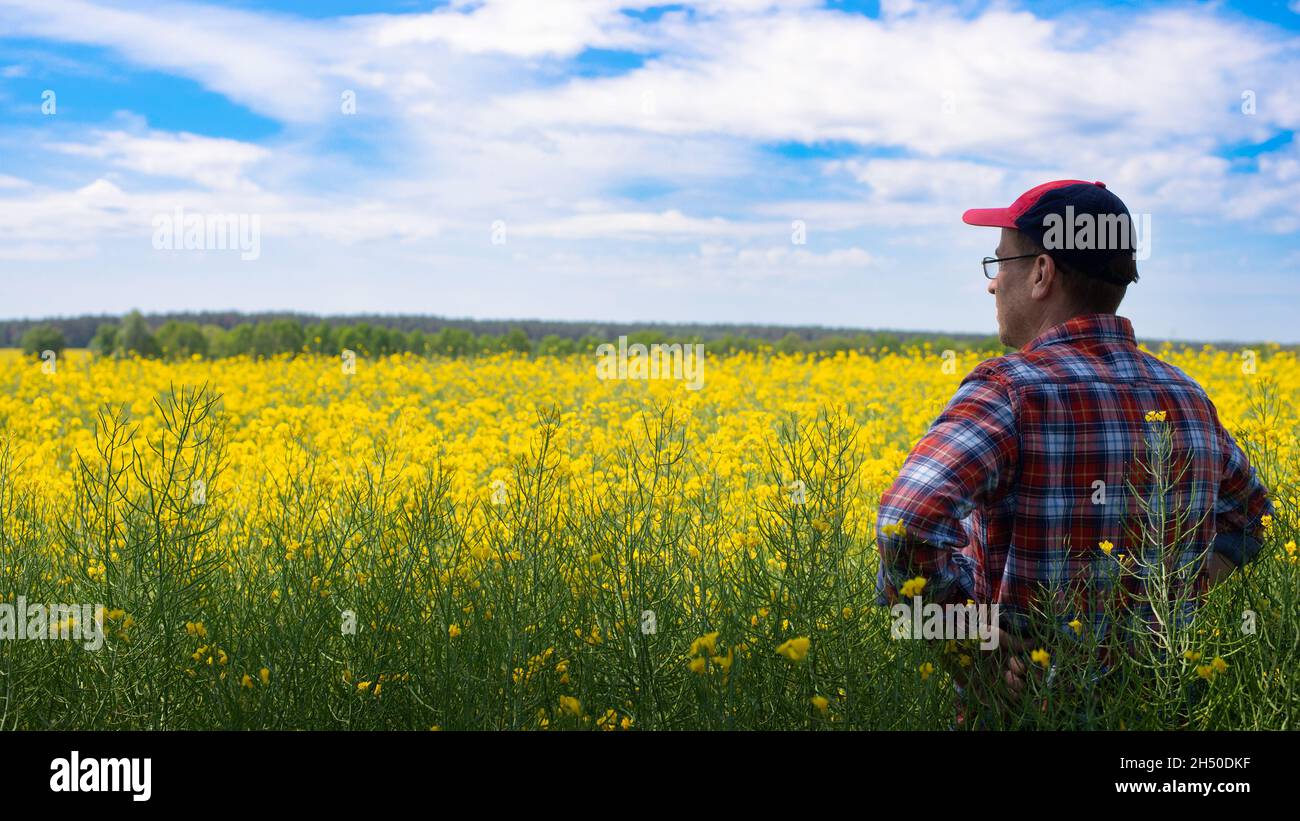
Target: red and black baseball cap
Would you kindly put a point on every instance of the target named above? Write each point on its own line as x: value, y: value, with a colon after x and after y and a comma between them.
x: 1068, y: 200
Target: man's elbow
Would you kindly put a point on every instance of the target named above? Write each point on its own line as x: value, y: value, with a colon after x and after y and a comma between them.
x: 1238, y: 548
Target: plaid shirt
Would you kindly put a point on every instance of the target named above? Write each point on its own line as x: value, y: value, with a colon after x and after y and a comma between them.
x: 1001, y: 499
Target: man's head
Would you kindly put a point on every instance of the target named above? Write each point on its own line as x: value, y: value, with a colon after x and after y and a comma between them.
x: 1071, y: 245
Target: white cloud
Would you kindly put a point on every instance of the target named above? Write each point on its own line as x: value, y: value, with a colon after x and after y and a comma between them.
x: 632, y: 225
x: 211, y: 162
x: 46, y: 252
x: 799, y: 257
x: 520, y: 28
x: 896, y: 8
x: 933, y: 82
x: 102, y: 209
x: 269, y: 62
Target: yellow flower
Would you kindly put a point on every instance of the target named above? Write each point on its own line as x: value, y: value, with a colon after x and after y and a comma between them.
x: 1266, y: 521
x: 571, y: 705
x: 1041, y: 657
x: 246, y: 681
x: 1192, y: 655
x: 609, y: 721
x: 847, y: 612
x: 1106, y: 546
x: 821, y: 703
x: 1205, y: 671
x: 453, y: 630
x: 724, y: 662
x: 894, y: 529
x: 926, y: 670
x: 912, y: 587
x: 708, y: 643
x: 265, y: 675
x: 1219, y: 665
x: 1155, y: 416
x: 795, y: 649
x: 1077, y: 627
x: 363, y: 686
x: 698, y: 665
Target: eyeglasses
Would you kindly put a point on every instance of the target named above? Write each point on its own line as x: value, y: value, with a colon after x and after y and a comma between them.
x: 991, y: 264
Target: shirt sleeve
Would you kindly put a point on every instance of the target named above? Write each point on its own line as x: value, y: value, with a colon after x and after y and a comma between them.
x: 1241, y: 504
x: 967, y: 458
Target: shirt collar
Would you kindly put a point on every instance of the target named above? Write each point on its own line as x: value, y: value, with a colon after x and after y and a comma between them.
x: 1087, y: 326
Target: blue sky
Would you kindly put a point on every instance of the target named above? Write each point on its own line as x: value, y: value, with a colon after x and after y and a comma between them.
x: 642, y: 161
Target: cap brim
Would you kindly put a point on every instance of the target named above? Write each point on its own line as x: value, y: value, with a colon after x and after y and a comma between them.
x: 991, y: 217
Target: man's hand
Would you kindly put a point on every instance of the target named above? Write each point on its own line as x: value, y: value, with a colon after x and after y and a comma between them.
x: 1013, y: 669
x: 1011, y: 673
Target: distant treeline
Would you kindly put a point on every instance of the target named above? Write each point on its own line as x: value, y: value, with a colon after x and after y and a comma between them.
x: 180, y: 336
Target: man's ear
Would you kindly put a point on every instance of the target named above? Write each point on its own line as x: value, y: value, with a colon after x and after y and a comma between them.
x: 1042, y: 276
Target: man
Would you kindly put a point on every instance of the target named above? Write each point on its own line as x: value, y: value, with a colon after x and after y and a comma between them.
x: 1025, y: 483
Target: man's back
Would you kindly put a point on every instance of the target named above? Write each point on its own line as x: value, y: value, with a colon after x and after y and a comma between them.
x: 1030, y: 473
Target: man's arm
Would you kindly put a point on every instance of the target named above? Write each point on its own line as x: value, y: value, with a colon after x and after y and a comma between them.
x: 968, y: 457
x: 1242, y: 502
